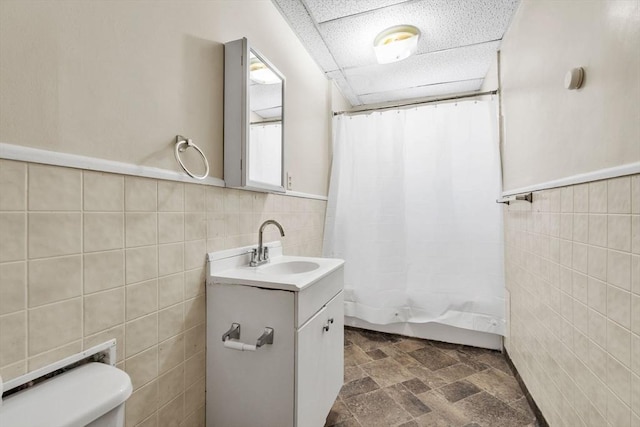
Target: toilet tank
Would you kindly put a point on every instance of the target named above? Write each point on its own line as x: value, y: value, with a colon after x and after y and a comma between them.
x: 89, y: 395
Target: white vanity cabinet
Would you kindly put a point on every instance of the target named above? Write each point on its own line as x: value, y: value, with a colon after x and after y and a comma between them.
x: 295, y: 380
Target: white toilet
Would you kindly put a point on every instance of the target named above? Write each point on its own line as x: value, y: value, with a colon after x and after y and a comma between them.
x: 90, y: 395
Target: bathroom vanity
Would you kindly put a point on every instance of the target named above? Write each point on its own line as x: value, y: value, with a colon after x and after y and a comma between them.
x: 274, y: 339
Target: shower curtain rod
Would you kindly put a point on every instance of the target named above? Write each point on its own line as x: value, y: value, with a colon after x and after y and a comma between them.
x: 409, y: 104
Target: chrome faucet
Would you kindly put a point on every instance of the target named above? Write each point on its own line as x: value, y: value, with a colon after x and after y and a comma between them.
x: 260, y: 255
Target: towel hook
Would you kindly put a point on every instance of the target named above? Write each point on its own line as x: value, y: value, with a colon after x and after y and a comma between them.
x: 182, y: 144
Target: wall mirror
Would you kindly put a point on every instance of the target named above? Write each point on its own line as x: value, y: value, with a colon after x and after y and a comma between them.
x: 253, y: 119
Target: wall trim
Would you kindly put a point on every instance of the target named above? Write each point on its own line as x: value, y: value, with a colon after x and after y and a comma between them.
x: 614, y: 172
x: 307, y: 195
x: 36, y: 155
x: 47, y: 157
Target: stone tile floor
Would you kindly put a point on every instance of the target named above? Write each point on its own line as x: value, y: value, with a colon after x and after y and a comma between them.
x: 390, y: 380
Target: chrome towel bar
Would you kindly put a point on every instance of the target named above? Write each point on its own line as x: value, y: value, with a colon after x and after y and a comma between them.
x: 528, y: 197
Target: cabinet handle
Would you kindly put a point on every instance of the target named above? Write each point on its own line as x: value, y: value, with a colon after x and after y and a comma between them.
x: 329, y: 322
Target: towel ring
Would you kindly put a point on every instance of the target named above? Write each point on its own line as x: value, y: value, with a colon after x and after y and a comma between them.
x: 182, y: 144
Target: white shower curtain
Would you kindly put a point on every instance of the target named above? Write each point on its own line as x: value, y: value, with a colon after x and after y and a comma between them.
x: 412, y: 211
x: 265, y: 152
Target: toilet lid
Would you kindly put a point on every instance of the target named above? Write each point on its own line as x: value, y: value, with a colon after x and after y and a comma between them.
x: 74, y: 398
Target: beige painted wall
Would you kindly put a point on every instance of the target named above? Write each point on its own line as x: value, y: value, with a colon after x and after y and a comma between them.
x: 551, y: 132
x: 491, y: 79
x: 338, y: 101
x: 118, y: 80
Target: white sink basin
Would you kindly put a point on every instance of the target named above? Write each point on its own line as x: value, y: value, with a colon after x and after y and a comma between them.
x: 291, y: 273
x: 289, y: 267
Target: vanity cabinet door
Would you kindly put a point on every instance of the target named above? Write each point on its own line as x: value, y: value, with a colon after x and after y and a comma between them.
x: 250, y: 388
x: 319, y: 364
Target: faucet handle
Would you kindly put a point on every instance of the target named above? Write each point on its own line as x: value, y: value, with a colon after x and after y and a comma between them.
x: 255, y: 257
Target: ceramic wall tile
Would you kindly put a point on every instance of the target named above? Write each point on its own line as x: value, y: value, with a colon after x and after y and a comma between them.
x: 53, y: 234
x: 103, y: 310
x: 141, y: 229
x: 598, y: 197
x: 143, y: 367
x: 103, y: 192
x: 13, y: 236
x: 53, y: 325
x: 13, y: 345
x: 171, y: 227
x: 141, y: 299
x: 103, y: 270
x: 141, y: 334
x: 619, y: 195
x: 170, y: 196
x: 13, y: 181
x: 103, y: 231
x: 53, y: 188
x: 141, y: 264
x: 54, y: 279
x: 140, y: 194
x: 86, y: 257
x: 576, y: 324
x: 13, y: 276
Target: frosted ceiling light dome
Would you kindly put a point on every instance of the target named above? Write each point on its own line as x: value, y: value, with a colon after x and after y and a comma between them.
x: 261, y: 74
x: 396, y: 43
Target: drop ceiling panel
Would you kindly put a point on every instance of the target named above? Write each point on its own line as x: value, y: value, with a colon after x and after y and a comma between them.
x: 466, y: 63
x: 326, y: 10
x: 270, y: 113
x: 265, y: 96
x: 458, y: 43
x: 422, y: 91
x: 444, y: 24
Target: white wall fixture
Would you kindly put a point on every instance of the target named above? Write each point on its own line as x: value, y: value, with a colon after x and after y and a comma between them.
x: 396, y: 43
x: 260, y: 73
x: 574, y: 78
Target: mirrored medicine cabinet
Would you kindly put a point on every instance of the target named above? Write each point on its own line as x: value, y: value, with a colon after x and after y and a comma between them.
x: 253, y: 119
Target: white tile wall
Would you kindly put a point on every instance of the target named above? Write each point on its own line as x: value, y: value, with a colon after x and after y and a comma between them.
x: 87, y: 256
x: 572, y: 262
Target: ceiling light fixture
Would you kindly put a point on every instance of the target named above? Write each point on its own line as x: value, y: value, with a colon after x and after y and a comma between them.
x: 260, y: 73
x: 396, y: 43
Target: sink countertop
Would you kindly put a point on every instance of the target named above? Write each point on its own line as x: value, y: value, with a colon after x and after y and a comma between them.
x: 232, y: 267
